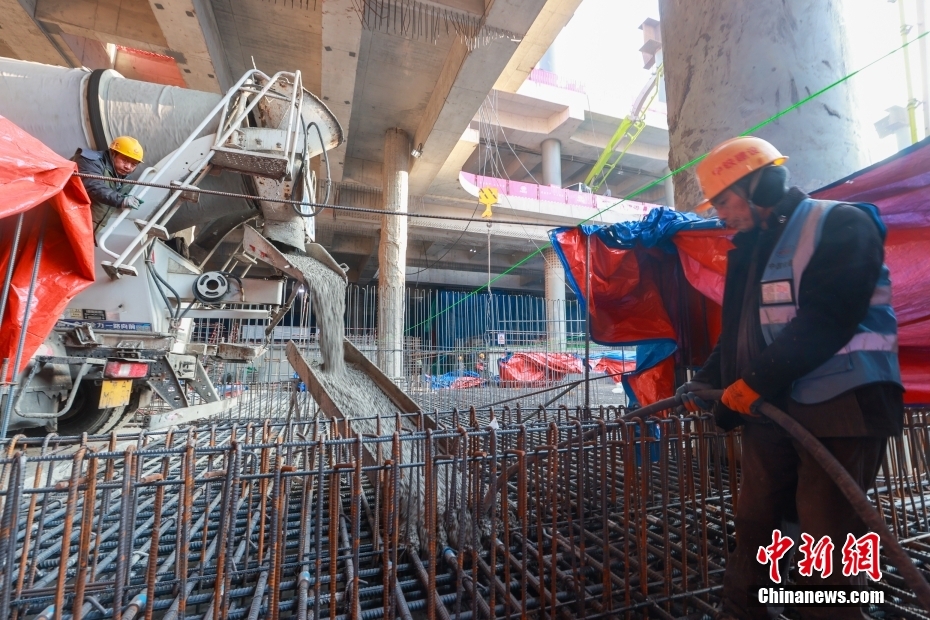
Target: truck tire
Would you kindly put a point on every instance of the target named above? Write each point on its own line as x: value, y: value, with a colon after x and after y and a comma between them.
x: 86, y: 417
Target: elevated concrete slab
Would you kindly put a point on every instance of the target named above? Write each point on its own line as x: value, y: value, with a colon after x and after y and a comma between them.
x: 186, y: 25
x: 471, y: 279
x: 466, y: 79
x: 342, y: 35
x: 273, y: 35
x: 548, y: 24
x: 130, y: 23
x: 23, y: 38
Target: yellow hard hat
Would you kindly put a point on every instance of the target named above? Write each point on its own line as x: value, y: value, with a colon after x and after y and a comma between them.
x: 128, y: 146
x: 730, y: 161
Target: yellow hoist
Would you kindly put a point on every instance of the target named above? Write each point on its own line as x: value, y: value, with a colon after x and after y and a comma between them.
x: 629, y: 128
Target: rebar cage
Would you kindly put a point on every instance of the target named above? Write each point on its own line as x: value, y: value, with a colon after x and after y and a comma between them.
x: 519, y: 513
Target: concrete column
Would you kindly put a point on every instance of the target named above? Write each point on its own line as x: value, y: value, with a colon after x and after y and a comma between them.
x: 555, y: 276
x: 555, y: 301
x: 730, y: 64
x: 669, y: 190
x: 392, y: 253
x: 552, y: 162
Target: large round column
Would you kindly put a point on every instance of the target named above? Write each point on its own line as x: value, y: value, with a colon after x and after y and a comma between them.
x: 555, y: 301
x: 552, y: 162
x: 392, y: 254
x: 730, y: 64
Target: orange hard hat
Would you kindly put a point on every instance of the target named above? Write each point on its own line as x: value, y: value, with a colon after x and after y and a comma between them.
x: 730, y: 161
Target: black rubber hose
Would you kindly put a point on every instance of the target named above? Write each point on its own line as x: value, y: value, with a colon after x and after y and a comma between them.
x: 158, y: 277
x: 850, y: 489
x: 303, y: 165
x: 325, y: 157
x: 93, y: 110
x: 161, y: 291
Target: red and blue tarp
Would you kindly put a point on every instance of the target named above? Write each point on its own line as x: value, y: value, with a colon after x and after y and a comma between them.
x: 657, y: 284
x: 455, y: 380
x: 539, y: 369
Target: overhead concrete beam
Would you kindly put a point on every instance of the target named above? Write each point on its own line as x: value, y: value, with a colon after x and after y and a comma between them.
x: 560, y: 125
x: 461, y: 278
x: 342, y: 35
x: 532, y: 281
x: 642, y: 149
x: 472, y: 7
x: 356, y: 245
x: 551, y: 20
x: 23, y: 38
x: 219, y: 55
x: 187, y: 25
x: 90, y: 53
x: 465, y: 80
x: 522, y: 163
x: 131, y: 24
x: 361, y: 248
x: 362, y: 171
x: 447, y: 181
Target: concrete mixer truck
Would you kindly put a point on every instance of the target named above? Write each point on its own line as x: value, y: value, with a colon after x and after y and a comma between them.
x: 126, y: 337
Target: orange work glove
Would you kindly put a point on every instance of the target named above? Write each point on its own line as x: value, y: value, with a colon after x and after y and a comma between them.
x: 740, y: 397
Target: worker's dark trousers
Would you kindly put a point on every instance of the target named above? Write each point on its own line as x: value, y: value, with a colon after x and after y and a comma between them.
x: 777, y: 475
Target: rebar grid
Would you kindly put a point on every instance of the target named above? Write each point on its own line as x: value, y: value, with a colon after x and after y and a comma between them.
x: 546, y: 513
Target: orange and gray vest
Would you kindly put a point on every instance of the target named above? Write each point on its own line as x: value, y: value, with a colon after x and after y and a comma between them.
x: 871, y: 356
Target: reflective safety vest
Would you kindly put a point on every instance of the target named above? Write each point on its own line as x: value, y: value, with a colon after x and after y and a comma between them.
x: 871, y: 356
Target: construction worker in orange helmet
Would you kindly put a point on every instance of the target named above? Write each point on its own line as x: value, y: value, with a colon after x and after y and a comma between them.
x: 117, y: 162
x: 807, y: 326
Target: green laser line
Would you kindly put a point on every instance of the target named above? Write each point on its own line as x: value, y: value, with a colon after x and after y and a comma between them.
x: 671, y: 173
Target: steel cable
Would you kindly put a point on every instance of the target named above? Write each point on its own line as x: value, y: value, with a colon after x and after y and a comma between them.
x: 297, y: 203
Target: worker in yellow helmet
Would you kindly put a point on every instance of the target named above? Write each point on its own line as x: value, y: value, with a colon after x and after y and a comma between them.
x: 807, y: 326
x: 116, y: 163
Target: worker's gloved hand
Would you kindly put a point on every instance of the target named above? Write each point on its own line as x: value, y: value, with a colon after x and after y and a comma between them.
x: 689, y: 402
x: 130, y: 202
x: 741, y: 398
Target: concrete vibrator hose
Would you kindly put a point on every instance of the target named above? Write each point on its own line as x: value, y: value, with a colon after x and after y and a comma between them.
x: 856, y: 496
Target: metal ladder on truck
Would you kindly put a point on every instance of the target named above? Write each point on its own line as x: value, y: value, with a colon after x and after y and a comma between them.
x: 268, y: 151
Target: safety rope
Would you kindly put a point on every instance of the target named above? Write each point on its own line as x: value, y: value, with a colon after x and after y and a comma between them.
x: 672, y: 173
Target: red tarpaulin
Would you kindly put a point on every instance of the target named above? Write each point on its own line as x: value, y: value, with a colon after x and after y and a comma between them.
x: 899, y: 186
x: 658, y: 284
x: 613, y: 367
x: 537, y: 369
x: 36, y: 182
